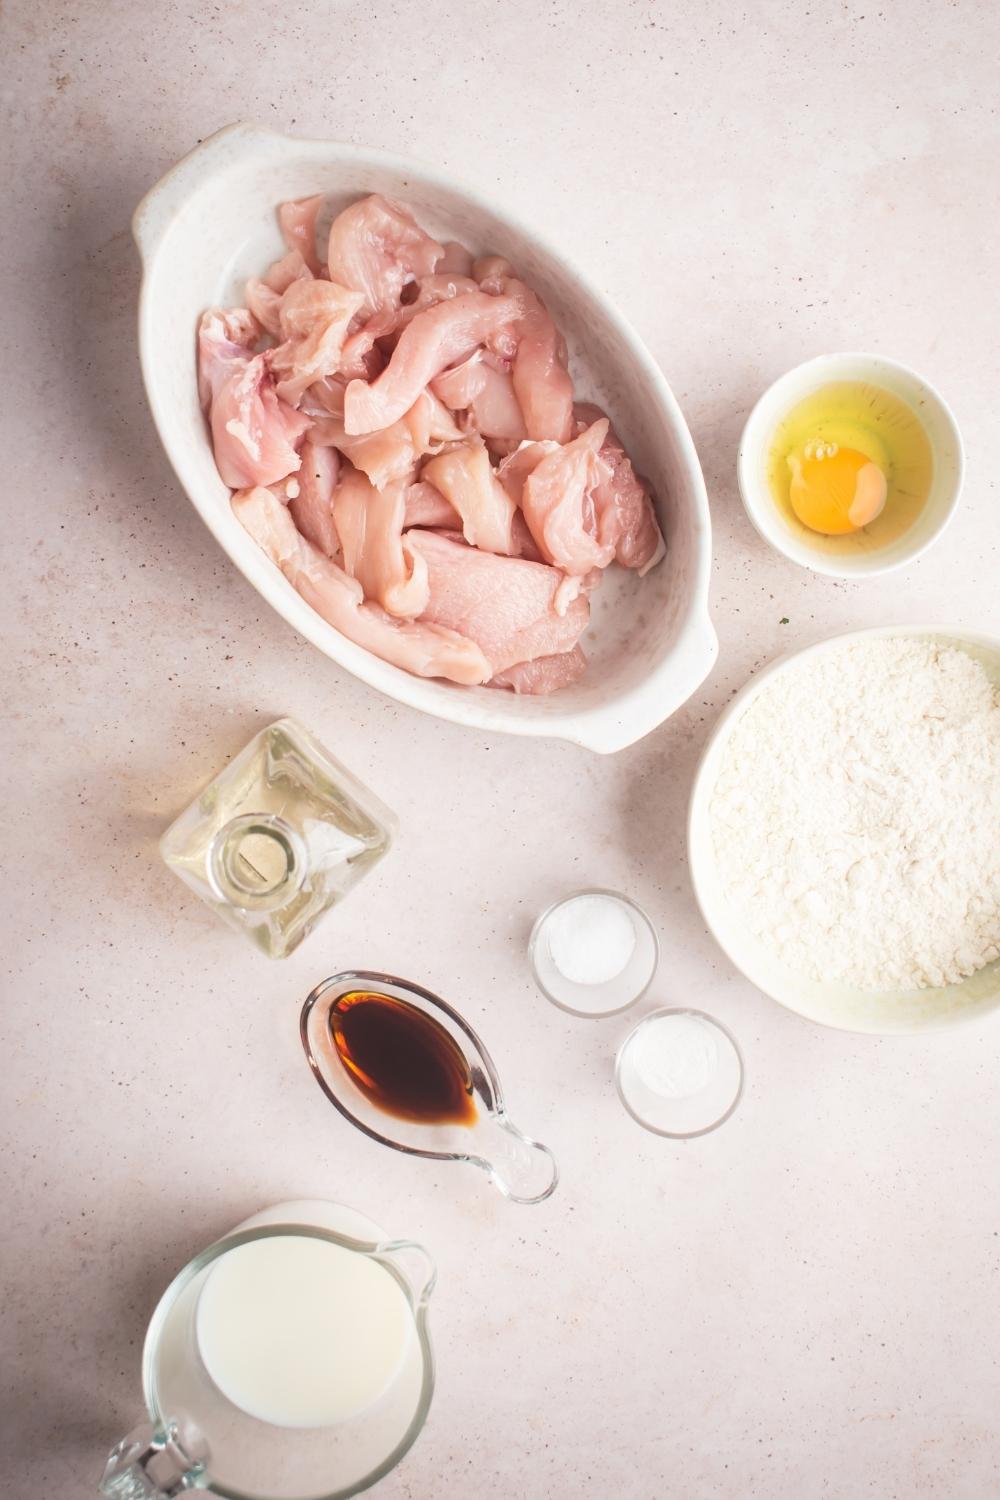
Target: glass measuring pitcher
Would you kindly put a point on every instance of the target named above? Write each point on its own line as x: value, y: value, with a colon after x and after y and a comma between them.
x: 288, y: 1361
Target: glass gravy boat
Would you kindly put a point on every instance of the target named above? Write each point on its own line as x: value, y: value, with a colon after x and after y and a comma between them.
x: 522, y: 1169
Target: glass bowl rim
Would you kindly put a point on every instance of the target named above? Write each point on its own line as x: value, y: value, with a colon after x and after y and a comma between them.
x: 593, y: 890
x: 703, y: 1015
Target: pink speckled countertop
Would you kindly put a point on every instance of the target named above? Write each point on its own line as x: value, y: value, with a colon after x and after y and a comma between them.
x: 802, y: 1305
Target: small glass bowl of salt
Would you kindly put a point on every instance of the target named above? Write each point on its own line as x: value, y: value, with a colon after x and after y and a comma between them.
x: 594, y: 953
x: 679, y: 1073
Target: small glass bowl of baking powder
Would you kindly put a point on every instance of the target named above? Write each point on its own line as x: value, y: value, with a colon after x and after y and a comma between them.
x: 679, y: 1073
x: 594, y: 953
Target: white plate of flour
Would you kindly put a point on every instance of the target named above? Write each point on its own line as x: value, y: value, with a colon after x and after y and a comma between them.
x: 844, y: 830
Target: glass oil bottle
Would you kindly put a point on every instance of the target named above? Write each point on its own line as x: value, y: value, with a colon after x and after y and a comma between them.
x: 279, y: 837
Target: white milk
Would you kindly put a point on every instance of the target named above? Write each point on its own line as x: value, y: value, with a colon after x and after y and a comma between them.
x: 302, y: 1333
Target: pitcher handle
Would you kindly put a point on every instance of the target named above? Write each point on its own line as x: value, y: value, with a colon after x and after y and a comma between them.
x: 394, y: 1254
x: 153, y: 1462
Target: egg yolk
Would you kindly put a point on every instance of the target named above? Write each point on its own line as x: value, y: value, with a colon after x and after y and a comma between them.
x: 835, y: 490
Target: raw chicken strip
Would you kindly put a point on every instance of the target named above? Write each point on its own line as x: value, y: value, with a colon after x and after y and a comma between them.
x: 512, y: 472
x: 500, y: 448
x: 291, y: 267
x: 495, y: 408
x: 308, y: 304
x: 426, y: 506
x: 264, y: 296
x: 574, y: 584
x: 370, y: 527
x: 623, y: 502
x: 546, y: 674
x: 382, y: 456
x: 375, y: 248
x: 314, y: 318
x: 434, y: 340
x: 393, y: 452
x: 424, y: 649
x: 516, y: 467
x: 324, y: 402
x: 557, y: 504
x: 491, y: 271
x: 298, y: 225
x: 435, y: 424
x: 478, y: 386
x: 465, y: 476
x: 225, y: 342
x: 503, y: 603
x: 456, y: 259
x: 325, y: 396
x: 524, y: 543
x: 430, y: 291
x: 457, y: 385
x: 265, y: 306
x: 361, y: 359
x: 541, y: 382
x: 311, y: 506
x: 254, y: 433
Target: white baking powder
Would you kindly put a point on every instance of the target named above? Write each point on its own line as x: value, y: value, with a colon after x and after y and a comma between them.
x: 676, y: 1056
x: 856, y: 816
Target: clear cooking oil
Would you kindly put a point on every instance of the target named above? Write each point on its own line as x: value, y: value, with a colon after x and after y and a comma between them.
x: 279, y: 837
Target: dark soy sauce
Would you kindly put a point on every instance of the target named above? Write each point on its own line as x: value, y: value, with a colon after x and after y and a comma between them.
x: 402, y: 1060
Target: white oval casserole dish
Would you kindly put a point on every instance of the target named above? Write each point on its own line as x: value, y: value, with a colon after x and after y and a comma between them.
x: 211, y: 222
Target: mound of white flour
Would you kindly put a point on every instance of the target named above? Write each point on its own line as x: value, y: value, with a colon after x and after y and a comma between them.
x: 856, y: 819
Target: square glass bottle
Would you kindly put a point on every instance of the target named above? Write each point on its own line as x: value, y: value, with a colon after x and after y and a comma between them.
x: 280, y: 836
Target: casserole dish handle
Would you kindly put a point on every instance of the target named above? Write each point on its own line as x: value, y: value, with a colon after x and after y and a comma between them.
x: 168, y: 198
x: 606, y: 732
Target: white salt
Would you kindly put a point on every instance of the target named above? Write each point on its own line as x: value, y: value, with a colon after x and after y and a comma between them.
x: 591, y: 939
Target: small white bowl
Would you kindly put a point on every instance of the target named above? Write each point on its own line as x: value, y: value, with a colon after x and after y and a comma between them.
x: 830, y: 1004
x: 211, y: 223
x: 794, y: 540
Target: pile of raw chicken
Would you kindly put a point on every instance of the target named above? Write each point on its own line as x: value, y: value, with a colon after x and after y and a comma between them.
x: 398, y: 425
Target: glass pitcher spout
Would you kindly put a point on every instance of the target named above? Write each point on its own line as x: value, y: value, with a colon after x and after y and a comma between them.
x: 522, y: 1169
